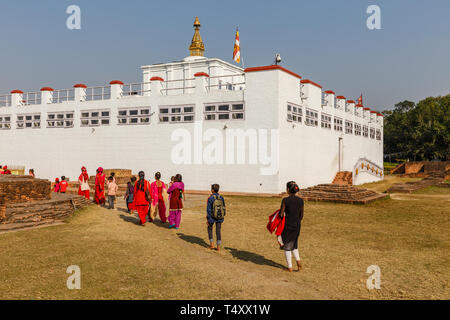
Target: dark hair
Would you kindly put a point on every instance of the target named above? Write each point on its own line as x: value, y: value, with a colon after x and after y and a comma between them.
x: 133, y: 179
x: 172, y: 178
x: 158, y: 175
x: 31, y: 170
x: 292, y: 187
x: 215, y: 187
x: 63, y: 178
x: 110, y: 178
x: 113, y: 174
x: 179, y: 177
x: 141, y: 182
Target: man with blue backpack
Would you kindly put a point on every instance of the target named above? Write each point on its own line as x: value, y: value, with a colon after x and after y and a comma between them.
x: 215, y: 213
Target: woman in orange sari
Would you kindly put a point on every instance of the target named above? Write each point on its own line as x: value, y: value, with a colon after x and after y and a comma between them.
x: 100, y: 187
x: 142, y: 197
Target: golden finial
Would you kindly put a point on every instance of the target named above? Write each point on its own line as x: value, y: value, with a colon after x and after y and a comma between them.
x: 197, y: 48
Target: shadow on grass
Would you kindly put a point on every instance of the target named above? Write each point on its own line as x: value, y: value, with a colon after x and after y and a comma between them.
x: 253, y: 257
x: 131, y: 219
x: 160, y: 224
x: 125, y: 210
x: 193, y: 239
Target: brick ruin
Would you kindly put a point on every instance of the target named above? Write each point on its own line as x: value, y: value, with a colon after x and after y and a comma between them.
x: 424, y: 169
x: 432, y: 172
x: 28, y: 202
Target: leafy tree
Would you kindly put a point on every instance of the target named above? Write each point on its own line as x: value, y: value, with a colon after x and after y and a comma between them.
x: 419, y: 131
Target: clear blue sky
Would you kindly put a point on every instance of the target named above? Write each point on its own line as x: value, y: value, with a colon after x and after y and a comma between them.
x: 325, y: 41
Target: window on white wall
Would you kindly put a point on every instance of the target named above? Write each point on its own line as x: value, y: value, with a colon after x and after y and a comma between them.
x: 311, y: 118
x: 337, y: 124
x: 176, y: 114
x: 224, y: 111
x: 27, y: 121
x: 325, y: 121
x: 378, y: 134
x: 133, y: 116
x: 357, y: 129
x: 372, y: 133
x: 60, y: 119
x: 94, y: 118
x: 348, y: 127
x: 365, y: 131
x: 294, y: 113
x: 5, y: 122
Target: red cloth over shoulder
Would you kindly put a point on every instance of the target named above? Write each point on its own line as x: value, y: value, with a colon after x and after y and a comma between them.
x: 276, y: 223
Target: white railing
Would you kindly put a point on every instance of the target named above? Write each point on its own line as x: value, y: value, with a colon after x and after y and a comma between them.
x: 5, y: 100
x: 135, y: 89
x: 31, y: 98
x: 65, y: 95
x: 235, y: 82
x: 181, y: 86
x: 98, y: 93
x: 365, y: 165
x: 232, y: 82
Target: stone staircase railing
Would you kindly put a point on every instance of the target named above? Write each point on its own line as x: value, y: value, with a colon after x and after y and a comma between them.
x: 365, y: 165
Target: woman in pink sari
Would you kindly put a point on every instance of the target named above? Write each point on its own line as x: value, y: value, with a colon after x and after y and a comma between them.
x: 100, y: 186
x: 159, y: 195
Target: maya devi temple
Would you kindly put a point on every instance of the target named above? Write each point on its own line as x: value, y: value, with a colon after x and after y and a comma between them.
x: 250, y: 130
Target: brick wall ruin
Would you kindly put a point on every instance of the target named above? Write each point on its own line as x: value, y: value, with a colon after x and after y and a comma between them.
x: 27, y: 202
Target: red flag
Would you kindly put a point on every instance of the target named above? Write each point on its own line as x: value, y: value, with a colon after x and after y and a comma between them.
x: 360, y: 100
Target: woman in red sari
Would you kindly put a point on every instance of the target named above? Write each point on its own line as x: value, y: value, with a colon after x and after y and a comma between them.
x: 100, y: 186
x: 83, y: 188
x: 142, y: 197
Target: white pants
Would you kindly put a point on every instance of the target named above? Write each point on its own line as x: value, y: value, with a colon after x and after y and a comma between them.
x: 288, y: 255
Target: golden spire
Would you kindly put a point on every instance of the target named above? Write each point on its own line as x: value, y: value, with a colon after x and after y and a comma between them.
x: 197, y: 48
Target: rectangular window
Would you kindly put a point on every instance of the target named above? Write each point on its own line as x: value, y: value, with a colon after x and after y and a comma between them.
x: 349, y: 127
x: 365, y: 131
x: 64, y: 119
x: 312, y: 118
x: 294, y: 113
x: 357, y: 129
x: 378, y: 134
x: 176, y: 114
x: 91, y: 118
x: 230, y: 111
x: 372, y: 133
x: 337, y: 124
x: 29, y: 121
x: 5, y: 122
x: 137, y: 115
x: 325, y: 121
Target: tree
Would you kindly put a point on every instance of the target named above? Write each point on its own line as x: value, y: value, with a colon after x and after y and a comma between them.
x: 419, y: 131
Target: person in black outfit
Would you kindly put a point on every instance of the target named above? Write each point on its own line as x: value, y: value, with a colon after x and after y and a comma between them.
x: 292, y: 208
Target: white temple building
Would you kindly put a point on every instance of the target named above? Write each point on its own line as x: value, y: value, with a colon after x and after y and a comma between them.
x: 249, y: 130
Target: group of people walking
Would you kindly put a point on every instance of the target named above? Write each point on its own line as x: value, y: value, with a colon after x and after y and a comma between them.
x: 149, y: 198
x: 146, y: 198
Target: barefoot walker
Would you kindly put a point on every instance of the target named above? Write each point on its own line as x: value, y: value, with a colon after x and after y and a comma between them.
x: 292, y: 210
